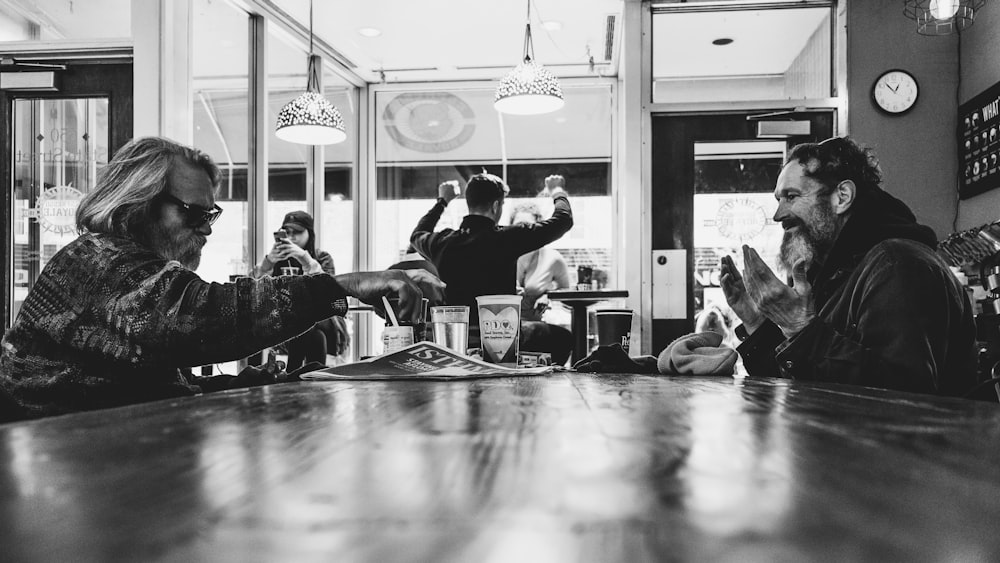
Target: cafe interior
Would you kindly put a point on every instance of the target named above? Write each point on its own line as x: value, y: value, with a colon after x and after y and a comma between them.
x: 669, y: 120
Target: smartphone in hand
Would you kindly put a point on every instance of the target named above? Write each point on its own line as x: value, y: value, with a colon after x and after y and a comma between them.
x: 280, y: 236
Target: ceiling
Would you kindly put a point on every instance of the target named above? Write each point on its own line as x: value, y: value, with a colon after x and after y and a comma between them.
x: 433, y: 40
x: 445, y: 40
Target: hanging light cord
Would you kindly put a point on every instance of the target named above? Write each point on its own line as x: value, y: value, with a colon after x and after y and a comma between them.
x: 529, y: 48
x: 312, y: 82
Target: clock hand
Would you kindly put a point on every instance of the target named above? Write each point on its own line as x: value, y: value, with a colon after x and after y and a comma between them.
x: 893, y: 89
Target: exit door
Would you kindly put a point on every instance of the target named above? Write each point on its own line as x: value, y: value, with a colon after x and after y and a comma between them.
x: 713, y: 178
x: 56, y: 141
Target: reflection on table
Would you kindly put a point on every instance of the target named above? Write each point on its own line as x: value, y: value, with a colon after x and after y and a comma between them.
x: 569, y: 467
x: 578, y: 301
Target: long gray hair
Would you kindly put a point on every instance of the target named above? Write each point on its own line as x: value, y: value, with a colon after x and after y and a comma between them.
x: 123, y: 201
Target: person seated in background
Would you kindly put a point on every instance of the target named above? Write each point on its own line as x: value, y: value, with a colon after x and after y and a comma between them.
x: 871, y: 303
x: 116, y: 313
x: 538, y: 272
x: 480, y: 257
x: 297, y: 249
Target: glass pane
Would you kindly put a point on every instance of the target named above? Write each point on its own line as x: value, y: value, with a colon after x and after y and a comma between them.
x: 733, y: 205
x: 52, y: 20
x: 286, y: 162
x: 221, y: 117
x: 740, y: 55
x: 337, y: 203
x: 423, y: 138
x: 59, y: 146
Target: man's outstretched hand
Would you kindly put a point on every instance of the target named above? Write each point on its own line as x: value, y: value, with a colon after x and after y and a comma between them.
x: 409, y: 285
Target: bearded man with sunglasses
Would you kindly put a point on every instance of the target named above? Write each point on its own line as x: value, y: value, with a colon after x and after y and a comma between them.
x: 117, y: 313
x: 870, y: 302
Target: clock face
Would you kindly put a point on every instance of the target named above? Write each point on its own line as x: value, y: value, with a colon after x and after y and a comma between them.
x: 895, y: 92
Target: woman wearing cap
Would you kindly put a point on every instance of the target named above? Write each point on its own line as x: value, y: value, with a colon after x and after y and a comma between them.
x: 298, y: 250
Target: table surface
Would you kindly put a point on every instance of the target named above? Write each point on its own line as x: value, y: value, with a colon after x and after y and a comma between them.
x: 568, y: 467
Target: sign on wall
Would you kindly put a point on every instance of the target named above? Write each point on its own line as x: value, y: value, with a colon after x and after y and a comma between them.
x: 979, y: 143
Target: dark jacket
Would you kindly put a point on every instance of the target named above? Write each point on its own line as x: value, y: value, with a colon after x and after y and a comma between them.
x: 480, y: 258
x: 108, y: 323
x: 890, y: 313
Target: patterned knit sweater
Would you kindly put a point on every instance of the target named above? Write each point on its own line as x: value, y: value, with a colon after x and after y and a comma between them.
x: 108, y: 323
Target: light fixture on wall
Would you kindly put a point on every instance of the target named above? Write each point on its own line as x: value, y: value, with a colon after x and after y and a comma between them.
x: 529, y: 88
x: 941, y: 17
x: 310, y: 119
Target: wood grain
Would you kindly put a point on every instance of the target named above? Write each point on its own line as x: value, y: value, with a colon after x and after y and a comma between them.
x: 570, y: 467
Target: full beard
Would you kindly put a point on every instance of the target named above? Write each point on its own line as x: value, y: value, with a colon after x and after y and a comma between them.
x: 183, y: 247
x: 810, y: 240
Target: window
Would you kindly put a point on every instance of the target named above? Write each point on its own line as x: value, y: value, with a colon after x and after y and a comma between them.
x: 427, y: 136
x: 221, y: 116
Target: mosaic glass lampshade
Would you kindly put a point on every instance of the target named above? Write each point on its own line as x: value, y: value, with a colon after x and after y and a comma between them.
x: 941, y: 17
x: 310, y: 119
x: 529, y: 88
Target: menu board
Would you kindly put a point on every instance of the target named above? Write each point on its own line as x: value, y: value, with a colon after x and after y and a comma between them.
x: 979, y: 143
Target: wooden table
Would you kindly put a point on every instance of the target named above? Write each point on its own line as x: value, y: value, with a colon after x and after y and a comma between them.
x: 578, y: 301
x: 570, y: 467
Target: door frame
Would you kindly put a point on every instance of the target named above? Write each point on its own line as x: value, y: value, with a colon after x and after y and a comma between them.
x: 672, y: 186
x: 100, y: 71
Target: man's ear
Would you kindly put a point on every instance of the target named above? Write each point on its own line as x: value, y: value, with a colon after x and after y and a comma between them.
x: 498, y: 208
x: 843, y: 196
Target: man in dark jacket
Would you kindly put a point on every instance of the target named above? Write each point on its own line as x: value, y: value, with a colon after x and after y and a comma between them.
x: 870, y: 304
x: 480, y: 258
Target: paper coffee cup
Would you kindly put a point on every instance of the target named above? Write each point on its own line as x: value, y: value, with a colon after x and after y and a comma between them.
x: 614, y: 326
x: 500, y: 328
x: 395, y: 338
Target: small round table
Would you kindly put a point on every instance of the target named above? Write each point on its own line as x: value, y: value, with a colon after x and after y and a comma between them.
x: 578, y: 301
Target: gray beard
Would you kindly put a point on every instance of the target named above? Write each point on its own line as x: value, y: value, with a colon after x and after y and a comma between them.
x: 811, y: 241
x: 796, y: 247
x: 171, y: 246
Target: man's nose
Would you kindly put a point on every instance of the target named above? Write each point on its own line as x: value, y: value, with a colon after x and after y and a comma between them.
x: 204, y: 229
x: 780, y: 213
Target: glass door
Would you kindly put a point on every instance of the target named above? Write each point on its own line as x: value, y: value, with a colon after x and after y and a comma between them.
x: 57, y: 143
x: 713, y: 178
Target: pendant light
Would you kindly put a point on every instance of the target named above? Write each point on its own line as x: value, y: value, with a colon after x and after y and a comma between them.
x: 310, y: 119
x: 529, y: 88
x: 941, y: 17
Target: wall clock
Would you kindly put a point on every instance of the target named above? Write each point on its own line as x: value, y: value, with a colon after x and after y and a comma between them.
x: 895, y: 92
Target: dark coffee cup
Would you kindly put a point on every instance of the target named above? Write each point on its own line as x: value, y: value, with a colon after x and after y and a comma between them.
x: 614, y: 326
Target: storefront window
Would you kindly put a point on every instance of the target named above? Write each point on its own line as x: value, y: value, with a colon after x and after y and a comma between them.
x: 336, y: 204
x: 425, y: 137
x: 221, y: 118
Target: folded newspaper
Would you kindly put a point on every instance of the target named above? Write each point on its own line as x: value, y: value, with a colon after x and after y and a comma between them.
x: 423, y: 360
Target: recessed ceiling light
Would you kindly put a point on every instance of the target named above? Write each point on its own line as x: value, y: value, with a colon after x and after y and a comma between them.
x: 722, y: 41
x: 552, y: 25
x: 370, y: 32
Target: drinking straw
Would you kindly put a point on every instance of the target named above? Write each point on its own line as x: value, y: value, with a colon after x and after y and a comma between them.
x: 388, y: 311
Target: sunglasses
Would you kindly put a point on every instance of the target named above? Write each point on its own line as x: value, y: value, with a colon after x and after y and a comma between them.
x: 195, y: 215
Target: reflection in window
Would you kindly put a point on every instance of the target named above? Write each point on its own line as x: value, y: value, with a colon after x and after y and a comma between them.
x: 221, y: 116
